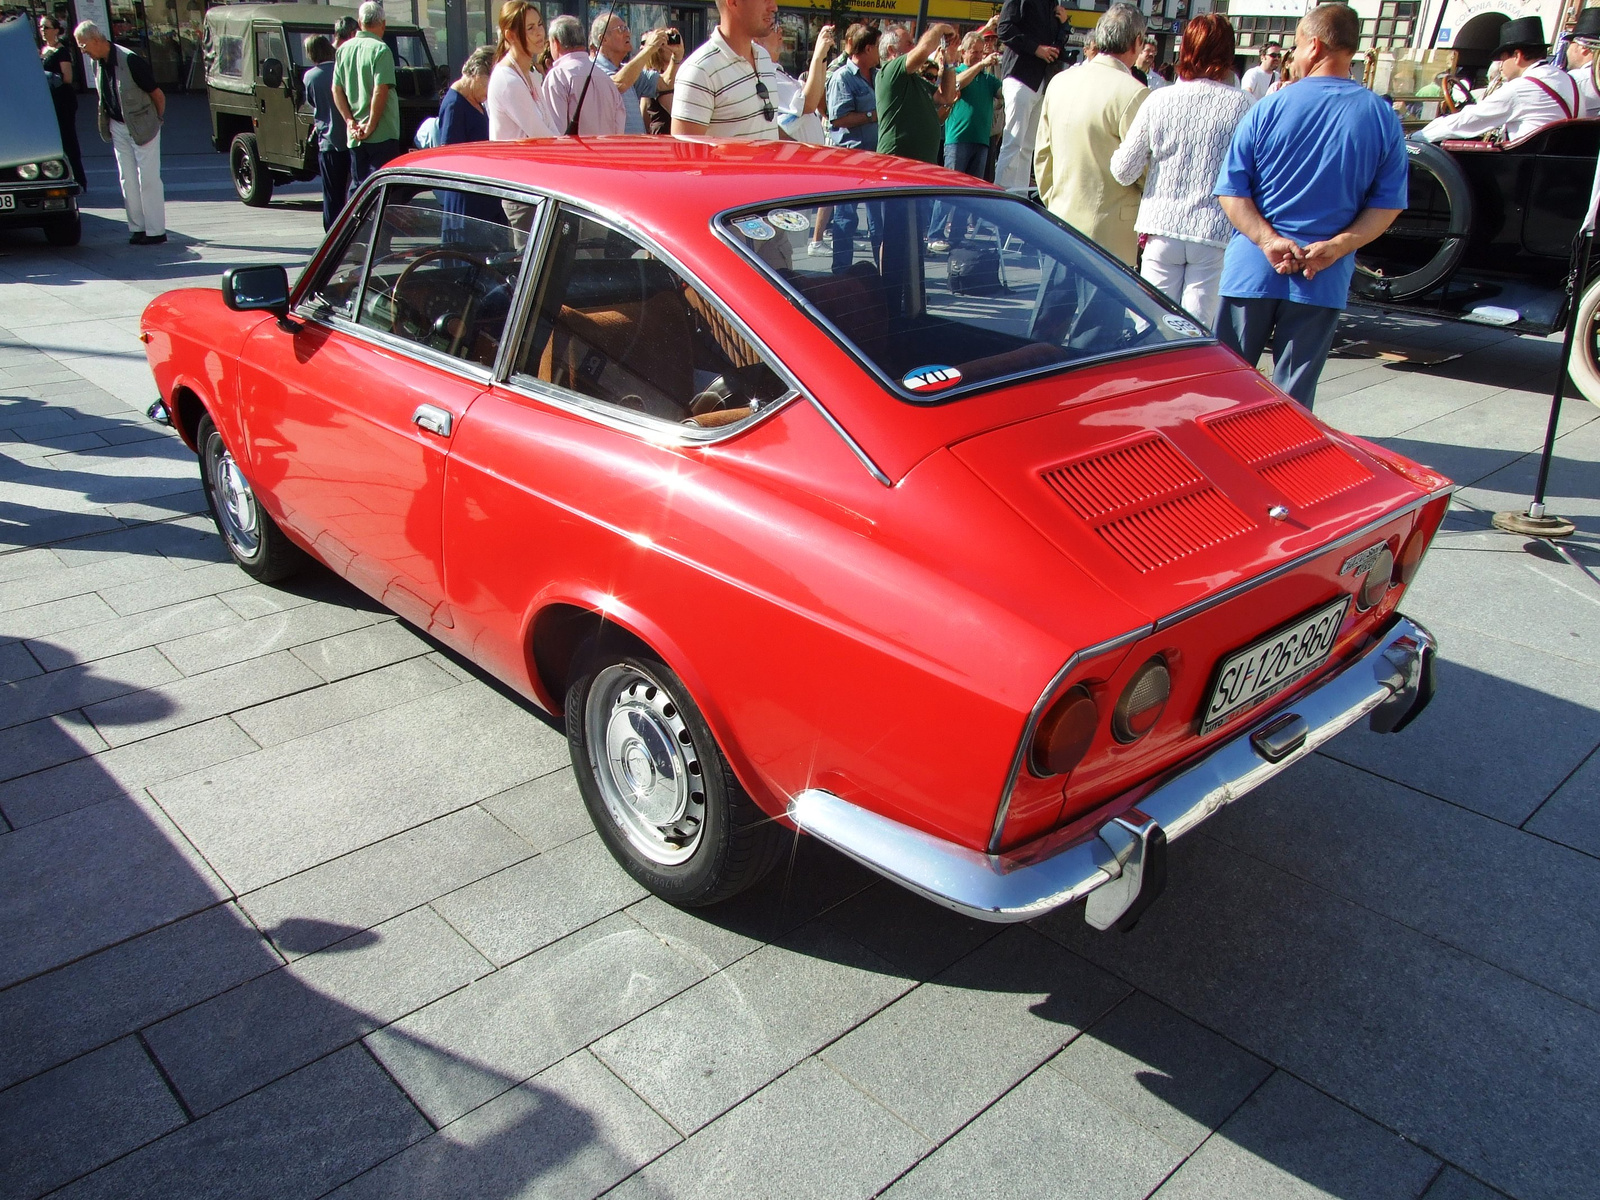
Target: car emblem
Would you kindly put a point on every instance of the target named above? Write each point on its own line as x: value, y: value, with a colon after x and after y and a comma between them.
x: 1362, y: 560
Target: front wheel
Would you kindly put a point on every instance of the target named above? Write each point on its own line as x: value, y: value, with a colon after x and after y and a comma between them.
x: 658, y: 789
x: 251, y: 179
x: 63, y: 231
x: 253, y: 538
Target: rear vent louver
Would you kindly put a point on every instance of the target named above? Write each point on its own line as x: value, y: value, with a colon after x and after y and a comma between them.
x: 1288, y: 451
x: 1148, y: 501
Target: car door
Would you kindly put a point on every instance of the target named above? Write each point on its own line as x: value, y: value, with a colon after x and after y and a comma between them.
x: 277, y: 130
x: 352, y: 411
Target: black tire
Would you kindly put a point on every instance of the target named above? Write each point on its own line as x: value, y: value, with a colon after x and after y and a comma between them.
x: 733, y: 844
x: 251, y: 179
x: 1397, y: 265
x: 64, y: 231
x: 253, y: 538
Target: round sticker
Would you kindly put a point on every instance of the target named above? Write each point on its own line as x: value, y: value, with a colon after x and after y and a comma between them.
x: 1181, y: 325
x: 789, y: 221
x: 754, y: 228
x: 931, y: 379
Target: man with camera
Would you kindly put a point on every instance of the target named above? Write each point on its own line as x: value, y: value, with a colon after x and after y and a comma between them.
x: 611, y: 41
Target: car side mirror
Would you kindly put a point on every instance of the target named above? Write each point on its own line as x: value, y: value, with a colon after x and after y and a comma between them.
x: 258, y: 289
x: 272, y: 73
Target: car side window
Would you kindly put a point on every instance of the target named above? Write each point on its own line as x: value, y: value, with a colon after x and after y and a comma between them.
x: 617, y: 324
x: 444, y: 267
x: 340, y: 281
x: 270, y: 44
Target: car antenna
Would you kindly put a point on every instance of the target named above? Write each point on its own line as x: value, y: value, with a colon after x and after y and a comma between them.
x: 594, y: 58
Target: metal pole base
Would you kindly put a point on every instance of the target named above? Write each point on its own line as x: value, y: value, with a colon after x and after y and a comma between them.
x: 1544, y: 526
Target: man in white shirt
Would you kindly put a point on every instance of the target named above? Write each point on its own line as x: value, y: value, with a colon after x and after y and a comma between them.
x: 1258, y: 80
x: 1580, y: 60
x: 575, y: 80
x: 1535, y: 92
x: 727, y: 87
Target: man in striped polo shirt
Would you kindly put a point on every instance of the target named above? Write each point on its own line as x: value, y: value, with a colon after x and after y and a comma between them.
x: 726, y: 87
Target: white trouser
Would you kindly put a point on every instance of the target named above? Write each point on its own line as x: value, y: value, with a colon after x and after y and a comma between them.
x: 1013, y: 169
x: 139, y: 171
x: 1187, y: 273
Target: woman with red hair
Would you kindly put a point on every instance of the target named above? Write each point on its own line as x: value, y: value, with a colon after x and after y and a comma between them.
x: 1178, y: 141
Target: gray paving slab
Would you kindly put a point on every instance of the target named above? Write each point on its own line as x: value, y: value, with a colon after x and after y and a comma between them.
x: 17, y: 663
x: 1572, y: 815
x: 83, y: 685
x: 916, y: 935
x: 268, y: 1027
x: 367, y: 886
x: 207, y: 580
x: 66, y: 1122
x: 1290, y: 1141
x: 41, y: 621
x: 1478, y: 885
x: 1453, y: 1185
x: 84, y: 881
x: 111, y: 571
x: 299, y: 1137
x: 706, y: 943
x: 1176, y: 1078
x: 1045, y: 1138
x: 184, y: 541
x: 940, y: 1055
x: 20, y: 564
x: 569, y: 1133
x: 39, y: 745
x: 516, y: 911
x: 807, y: 1134
x: 283, y: 720
x: 361, y: 650
x: 115, y: 774
x: 769, y: 1010
x: 122, y: 634
x: 462, y: 1051
x: 1480, y: 1067
x: 215, y: 648
x: 1461, y: 747
x: 123, y: 988
x: 275, y: 813
x: 547, y: 812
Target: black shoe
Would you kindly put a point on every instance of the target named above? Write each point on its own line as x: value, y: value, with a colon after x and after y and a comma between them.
x: 158, y: 240
x: 137, y: 239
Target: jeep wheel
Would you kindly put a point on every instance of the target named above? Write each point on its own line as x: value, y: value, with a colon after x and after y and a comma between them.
x: 251, y: 179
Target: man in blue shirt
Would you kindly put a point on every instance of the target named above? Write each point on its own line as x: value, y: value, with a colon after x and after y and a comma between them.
x: 1316, y: 171
x: 853, y: 115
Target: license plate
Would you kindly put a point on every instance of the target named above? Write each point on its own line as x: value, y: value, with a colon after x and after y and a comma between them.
x: 7, y: 201
x: 1265, y: 668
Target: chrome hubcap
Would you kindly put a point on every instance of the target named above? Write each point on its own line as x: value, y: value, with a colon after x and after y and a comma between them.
x: 646, y: 765
x: 237, y: 505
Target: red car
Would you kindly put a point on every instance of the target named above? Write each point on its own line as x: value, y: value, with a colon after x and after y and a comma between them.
x: 990, y: 568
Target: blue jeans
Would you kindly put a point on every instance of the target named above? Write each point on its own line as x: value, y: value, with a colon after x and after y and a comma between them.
x: 970, y: 158
x: 1300, y: 336
x: 334, y: 167
x: 846, y: 221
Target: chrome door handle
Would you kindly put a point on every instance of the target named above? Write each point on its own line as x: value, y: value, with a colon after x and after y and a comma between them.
x: 432, y: 418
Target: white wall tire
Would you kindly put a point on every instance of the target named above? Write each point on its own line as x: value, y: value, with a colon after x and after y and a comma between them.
x: 1585, y: 365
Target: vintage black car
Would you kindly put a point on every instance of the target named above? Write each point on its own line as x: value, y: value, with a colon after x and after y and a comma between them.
x: 37, y: 189
x: 1488, y: 235
x: 255, y: 63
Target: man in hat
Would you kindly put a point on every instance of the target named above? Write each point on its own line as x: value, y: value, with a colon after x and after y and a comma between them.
x: 1581, y: 59
x: 1534, y: 91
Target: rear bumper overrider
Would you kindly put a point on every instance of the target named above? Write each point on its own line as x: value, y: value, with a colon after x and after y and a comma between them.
x: 1120, y: 868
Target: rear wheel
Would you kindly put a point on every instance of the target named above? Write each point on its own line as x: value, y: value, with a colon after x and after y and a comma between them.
x: 1427, y: 241
x: 1585, y: 366
x: 251, y: 178
x: 63, y: 231
x: 658, y: 789
x: 253, y: 538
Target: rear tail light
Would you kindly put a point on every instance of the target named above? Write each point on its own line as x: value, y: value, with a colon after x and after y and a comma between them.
x: 1405, y: 568
x: 1064, y: 733
x: 1142, y: 701
x: 1378, y: 578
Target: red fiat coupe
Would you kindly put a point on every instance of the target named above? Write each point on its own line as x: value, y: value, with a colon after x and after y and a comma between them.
x: 989, y: 567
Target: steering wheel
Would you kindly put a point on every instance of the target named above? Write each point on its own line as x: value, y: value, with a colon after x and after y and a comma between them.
x: 477, y: 262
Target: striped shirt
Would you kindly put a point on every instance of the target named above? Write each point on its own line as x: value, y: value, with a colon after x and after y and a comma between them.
x: 716, y: 87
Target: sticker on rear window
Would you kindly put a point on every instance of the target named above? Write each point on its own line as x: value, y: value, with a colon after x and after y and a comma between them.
x: 1182, y: 325
x: 754, y: 228
x: 789, y: 221
x: 931, y: 379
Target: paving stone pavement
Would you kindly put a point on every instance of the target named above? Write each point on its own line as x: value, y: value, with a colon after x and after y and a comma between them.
x: 294, y: 904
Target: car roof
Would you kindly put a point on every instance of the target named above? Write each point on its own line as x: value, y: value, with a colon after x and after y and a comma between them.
x: 313, y: 14
x: 662, y: 183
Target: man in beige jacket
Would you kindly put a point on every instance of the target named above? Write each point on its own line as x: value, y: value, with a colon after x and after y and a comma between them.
x: 1085, y: 114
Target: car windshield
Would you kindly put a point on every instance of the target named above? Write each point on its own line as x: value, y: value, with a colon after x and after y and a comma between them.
x: 940, y: 294
x: 409, y: 50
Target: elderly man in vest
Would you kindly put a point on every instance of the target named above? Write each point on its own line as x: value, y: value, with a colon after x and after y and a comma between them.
x: 131, y: 109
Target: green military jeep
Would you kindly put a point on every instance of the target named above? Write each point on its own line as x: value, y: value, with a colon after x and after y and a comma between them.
x: 255, y: 64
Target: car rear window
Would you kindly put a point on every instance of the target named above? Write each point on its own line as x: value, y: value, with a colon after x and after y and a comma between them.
x: 942, y: 294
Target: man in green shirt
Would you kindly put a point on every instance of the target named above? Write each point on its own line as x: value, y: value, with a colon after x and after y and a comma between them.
x: 909, y: 105
x: 363, y: 92
x: 966, y: 134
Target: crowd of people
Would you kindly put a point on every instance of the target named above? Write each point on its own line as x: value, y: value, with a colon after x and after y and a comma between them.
x: 1242, y: 197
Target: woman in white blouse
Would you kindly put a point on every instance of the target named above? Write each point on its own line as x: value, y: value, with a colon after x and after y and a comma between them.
x: 514, y: 111
x: 1178, y: 141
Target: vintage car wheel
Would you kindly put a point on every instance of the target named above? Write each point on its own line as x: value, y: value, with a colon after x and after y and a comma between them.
x: 659, y: 791
x: 251, y: 179
x: 1585, y: 366
x: 1426, y: 243
x: 64, y: 231
x: 253, y: 538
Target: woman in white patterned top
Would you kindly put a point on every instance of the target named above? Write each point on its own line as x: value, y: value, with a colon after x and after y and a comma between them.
x: 514, y: 83
x: 1178, y: 141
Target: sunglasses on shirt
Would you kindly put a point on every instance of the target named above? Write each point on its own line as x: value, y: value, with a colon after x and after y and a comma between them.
x: 768, y: 109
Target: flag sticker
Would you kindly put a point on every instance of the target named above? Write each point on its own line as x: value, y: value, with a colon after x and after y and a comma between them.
x: 931, y: 379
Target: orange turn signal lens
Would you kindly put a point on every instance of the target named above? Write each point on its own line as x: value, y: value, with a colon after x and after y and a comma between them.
x: 1142, y: 701
x: 1064, y: 733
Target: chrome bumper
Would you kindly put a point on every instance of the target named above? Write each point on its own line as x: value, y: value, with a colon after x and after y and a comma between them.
x: 1120, y: 867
